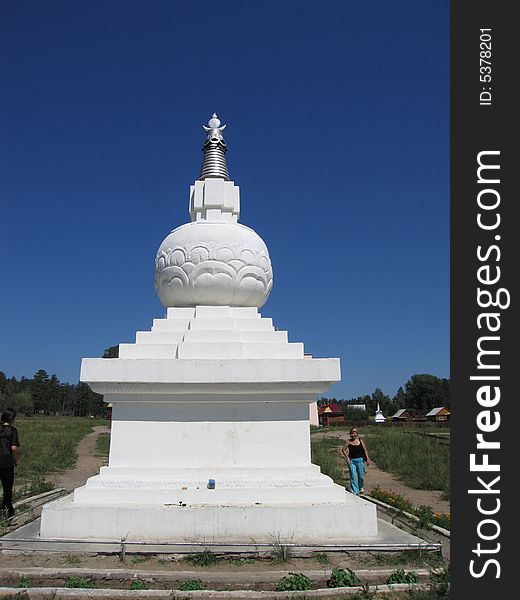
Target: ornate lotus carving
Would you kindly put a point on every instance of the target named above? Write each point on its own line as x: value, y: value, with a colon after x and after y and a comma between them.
x: 208, y: 264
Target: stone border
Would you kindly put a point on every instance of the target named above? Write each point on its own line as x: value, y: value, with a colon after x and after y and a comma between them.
x: 408, y: 515
x: 238, y: 577
x: 50, y: 592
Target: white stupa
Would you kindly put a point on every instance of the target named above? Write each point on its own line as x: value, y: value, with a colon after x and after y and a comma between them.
x: 210, y: 421
x: 379, y: 416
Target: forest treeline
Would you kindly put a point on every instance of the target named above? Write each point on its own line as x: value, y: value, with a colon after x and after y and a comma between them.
x: 419, y: 395
x: 44, y: 394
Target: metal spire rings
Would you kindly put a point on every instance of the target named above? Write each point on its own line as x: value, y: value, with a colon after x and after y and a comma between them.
x: 214, y: 162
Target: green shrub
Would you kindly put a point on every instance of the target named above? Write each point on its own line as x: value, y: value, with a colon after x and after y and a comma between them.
x: 343, y: 578
x: 137, y: 584
x: 402, y: 576
x: 442, y: 520
x: 425, y: 515
x: 191, y: 584
x: 79, y: 582
x: 294, y: 582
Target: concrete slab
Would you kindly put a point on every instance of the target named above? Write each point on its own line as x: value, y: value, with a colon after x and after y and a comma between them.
x: 27, y: 539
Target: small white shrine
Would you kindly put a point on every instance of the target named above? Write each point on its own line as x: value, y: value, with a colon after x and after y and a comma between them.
x: 210, y: 433
x: 379, y: 416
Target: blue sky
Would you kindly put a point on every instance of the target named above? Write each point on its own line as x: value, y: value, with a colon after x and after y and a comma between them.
x: 338, y: 135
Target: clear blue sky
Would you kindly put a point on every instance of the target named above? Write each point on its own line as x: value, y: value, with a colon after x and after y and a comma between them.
x: 338, y: 135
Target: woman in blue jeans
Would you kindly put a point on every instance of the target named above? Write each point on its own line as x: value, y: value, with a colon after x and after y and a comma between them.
x: 356, y: 454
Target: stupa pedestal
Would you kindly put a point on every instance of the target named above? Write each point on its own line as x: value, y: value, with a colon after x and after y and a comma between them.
x: 211, y: 392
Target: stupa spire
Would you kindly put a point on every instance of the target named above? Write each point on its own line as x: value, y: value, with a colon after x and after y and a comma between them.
x: 214, y: 162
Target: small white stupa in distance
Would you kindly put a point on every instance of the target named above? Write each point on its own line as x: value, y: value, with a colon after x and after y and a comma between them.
x: 210, y: 433
x: 379, y: 416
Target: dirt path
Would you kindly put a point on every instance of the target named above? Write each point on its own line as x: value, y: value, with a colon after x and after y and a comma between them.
x: 375, y: 477
x: 87, y: 465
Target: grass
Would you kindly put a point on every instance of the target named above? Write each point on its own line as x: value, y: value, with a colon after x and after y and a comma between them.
x: 103, y: 445
x: 324, y: 453
x: 421, y: 462
x: 411, y: 558
x: 48, y: 445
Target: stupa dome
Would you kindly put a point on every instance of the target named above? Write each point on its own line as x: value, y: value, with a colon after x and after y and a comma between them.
x: 214, y: 260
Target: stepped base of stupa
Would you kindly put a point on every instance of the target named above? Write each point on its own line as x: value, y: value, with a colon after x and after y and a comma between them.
x: 210, y: 394
x: 329, y: 523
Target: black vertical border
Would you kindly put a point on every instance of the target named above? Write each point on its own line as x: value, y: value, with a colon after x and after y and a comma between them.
x: 476, y: 128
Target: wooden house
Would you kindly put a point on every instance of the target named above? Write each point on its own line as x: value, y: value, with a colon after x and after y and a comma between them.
x: 438, y: 414
x: 331, y: 414
x: 402, y: 415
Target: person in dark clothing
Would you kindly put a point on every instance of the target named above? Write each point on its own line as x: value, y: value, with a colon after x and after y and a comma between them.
x: 356, y: 454
x: 9, y: 445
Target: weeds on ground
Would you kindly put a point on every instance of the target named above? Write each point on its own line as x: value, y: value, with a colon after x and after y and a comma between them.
x: 4, y: 521
x: 441, y: 582
x: 343, y: 578
x: 191, y: 584
x: 238, y: 561
x: 72, y: 560
x: 402, y: 576
x: 79, y: 582
x: 281, y: 552
x: 322, y: 558
x: 137, y: 584
x: 412, y: 558
x: 422, y: 595
x: 425, y: 516
x: 294, y: 582
x: 202, y: 559
x: 365, y: 594
x: 24, y: 583
x: 136, y: 560
x: 36, y: 485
